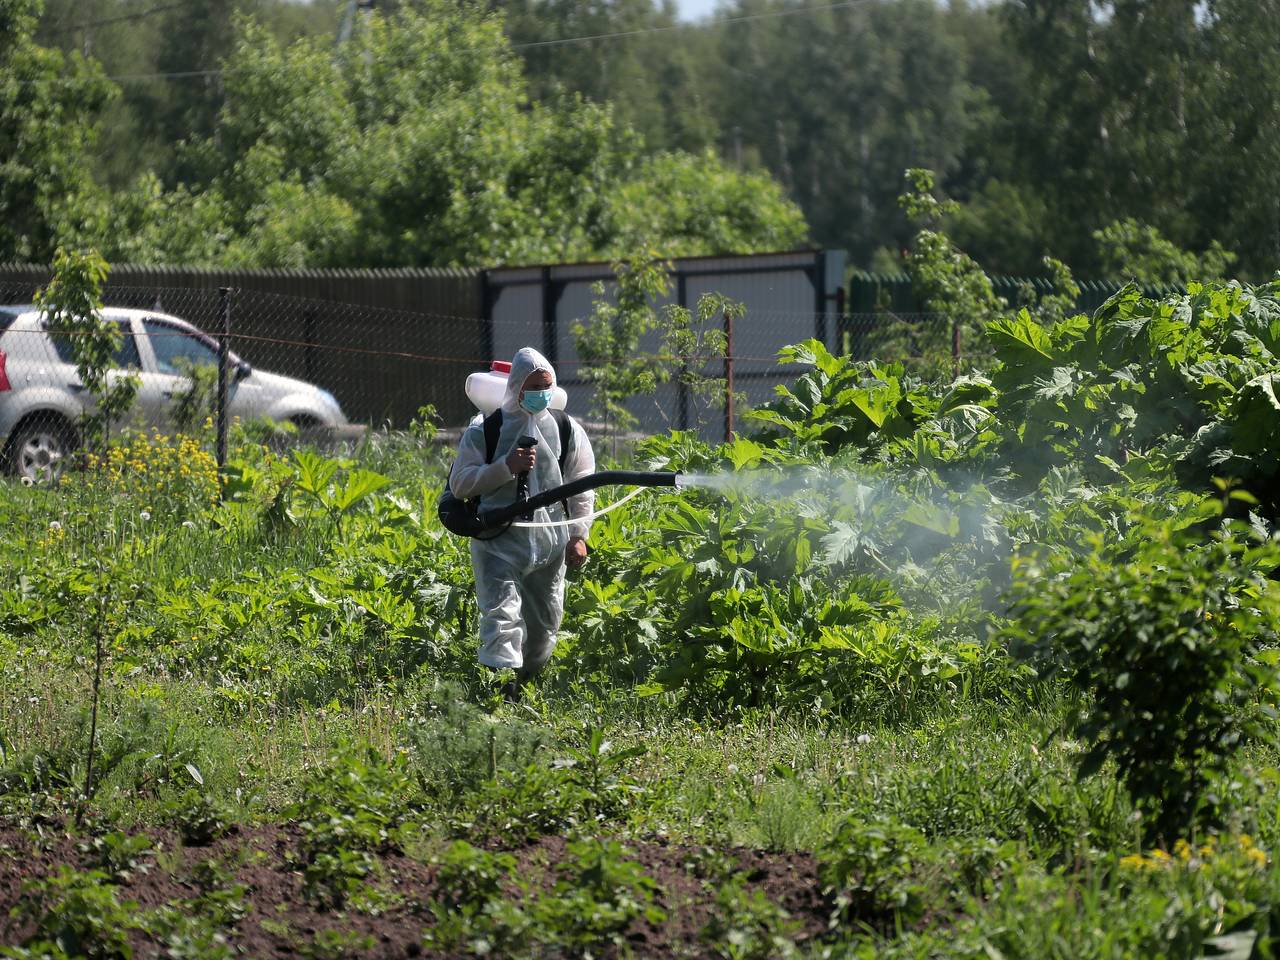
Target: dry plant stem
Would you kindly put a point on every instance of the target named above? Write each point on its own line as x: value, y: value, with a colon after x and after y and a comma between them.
x: 97, y: 682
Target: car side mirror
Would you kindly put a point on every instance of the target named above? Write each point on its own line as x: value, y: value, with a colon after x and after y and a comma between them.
x: 243, y: 369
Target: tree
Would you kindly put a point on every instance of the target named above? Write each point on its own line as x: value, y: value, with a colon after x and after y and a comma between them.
x: 649, y: 67
x: 71, y: 305
x: 837, y: 103
x: 48, y: 109
x: 607, y: 341
x: 950, y: 286
x: 1131, y: 250
x: 367, y: 158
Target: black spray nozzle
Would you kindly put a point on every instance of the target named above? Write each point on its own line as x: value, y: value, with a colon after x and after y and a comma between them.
x: 522, y: 480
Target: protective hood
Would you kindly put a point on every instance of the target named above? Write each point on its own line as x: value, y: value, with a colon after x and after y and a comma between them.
x: 526, y: 361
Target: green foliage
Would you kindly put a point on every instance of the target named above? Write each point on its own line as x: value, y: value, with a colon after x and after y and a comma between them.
x: 697, y: 339
x: 118, y: 855
x: 197, y: 402
x: 749, y: 926
x: 316, y: 479
x: 607, y: 341
x: 1132, y: 250
x: 597, y: 896
x: 870, y: 868
x: 353, y: 806
x: 50, y: 104
x: 80, y: 914
x: 459, y: 747
x: 200, y: 818
x: 468, y: 906
x: 947, y: 282
x: 71, y: 305
x: 321, y: 160
x: 1171, y: 639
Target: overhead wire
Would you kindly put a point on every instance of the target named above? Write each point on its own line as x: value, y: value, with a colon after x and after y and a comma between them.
x: 715, y: 22
x: 122, y: 18
x: 562, y: 41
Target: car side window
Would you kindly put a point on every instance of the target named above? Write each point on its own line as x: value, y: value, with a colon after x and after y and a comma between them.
x: 176, y: 350
x: 125, y: 357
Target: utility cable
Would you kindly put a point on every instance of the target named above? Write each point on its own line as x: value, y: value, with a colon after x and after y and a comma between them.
x: 122, y: 18
x: 565, y: 41
x: 723, y: 21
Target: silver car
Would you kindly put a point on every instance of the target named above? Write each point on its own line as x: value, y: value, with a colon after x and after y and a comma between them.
x: 42, y: 400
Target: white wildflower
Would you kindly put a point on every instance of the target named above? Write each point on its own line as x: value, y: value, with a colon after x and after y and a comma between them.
x: 733, y: 768
x: 145, y: 515
x: 188, y: 524
x: 55, y: 526
x: 864, y: 738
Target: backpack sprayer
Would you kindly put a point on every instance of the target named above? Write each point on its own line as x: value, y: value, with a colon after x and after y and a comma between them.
x: 464, y: 517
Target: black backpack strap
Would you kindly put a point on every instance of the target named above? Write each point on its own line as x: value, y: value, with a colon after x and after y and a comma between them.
x: 492, y: 427
x: 565, y: 423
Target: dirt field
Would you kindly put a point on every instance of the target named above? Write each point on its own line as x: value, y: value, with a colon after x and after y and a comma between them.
x: 279, y: 922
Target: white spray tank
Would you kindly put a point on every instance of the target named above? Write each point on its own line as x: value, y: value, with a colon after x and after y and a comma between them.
x: 487, y: 389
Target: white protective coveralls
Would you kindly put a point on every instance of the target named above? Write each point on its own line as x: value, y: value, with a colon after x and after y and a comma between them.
x: 520, y: 573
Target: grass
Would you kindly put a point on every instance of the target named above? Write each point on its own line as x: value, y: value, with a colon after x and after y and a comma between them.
x: 251, y: 665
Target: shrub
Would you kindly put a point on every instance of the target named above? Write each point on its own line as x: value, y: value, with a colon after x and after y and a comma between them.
x: 1160, y: 637
x: 79, y: 913
x: 749, y: 926
x: 870, y: 868
x: 200, y: 818
x: 597, y: 897
x: 352, y: 807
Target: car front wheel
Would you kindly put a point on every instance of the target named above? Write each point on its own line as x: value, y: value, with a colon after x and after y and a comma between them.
x: 40, y: 451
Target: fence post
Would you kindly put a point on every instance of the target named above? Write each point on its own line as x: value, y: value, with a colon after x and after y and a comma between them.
x: 728, y: 376
x: 843, y: 346
x: 309, y: 338
x: 224, y: 336
x: 955, y: 348
x: 682, y: 388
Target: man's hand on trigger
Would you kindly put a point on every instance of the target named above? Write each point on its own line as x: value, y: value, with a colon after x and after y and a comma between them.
x: 521, y: 460
x: 575, y: 554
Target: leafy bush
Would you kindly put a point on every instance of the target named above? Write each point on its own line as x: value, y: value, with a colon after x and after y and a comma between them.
x: 200, y: 818
x: 118, y: 855
x: 598, y: 895
x: 458, y: 746
x: 79, y: 913
x: 1171, y: 641
x: 869, y: 869
x: 468, y: 907
x: 352, y: 807
x: 749, y: 926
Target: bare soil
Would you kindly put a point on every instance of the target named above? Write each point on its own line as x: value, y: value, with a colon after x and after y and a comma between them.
x: 281, y: 923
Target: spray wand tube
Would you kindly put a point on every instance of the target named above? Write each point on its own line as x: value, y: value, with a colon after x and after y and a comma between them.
x: 522, y: 481
x: 487, y: 520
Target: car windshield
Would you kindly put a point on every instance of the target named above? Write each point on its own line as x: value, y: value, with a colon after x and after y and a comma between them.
x: 125, y: 357
x: 178, y: 351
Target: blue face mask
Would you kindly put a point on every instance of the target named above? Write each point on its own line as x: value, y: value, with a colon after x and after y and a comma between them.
x: 535, y: 401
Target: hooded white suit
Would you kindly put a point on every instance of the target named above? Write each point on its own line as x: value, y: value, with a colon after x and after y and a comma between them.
x: 520, y: 573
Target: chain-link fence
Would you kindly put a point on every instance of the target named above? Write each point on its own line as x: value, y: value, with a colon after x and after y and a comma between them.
x: 337, y: 370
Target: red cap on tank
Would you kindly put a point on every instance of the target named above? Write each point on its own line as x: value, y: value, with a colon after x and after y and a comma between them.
x: 500, y: 366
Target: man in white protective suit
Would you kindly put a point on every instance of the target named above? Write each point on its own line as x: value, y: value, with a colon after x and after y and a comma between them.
x: 520, y: 572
